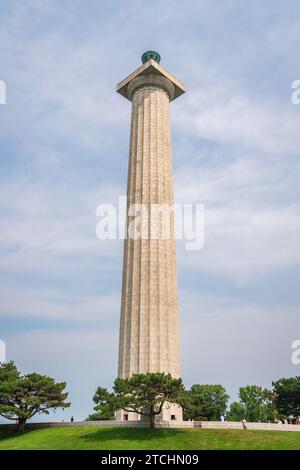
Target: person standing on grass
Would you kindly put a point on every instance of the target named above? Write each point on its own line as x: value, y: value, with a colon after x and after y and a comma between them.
x: 244, y: 422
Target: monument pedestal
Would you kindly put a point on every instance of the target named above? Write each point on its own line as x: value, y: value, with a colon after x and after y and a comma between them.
x: 170, y: 412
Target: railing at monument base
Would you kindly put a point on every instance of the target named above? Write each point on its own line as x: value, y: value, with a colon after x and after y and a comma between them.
x: 162, y: 424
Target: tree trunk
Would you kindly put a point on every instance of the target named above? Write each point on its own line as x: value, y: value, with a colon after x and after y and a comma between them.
x: 152, y: 420
x: 21, y: 424
x: 152, y: 417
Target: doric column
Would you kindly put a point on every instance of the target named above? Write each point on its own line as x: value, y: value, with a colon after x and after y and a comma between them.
x: 149, y: 326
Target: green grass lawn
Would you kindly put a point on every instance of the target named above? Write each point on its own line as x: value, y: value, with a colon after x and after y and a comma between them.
x: 148, y: 439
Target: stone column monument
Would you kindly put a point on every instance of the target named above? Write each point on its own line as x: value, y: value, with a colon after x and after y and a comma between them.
x: 149, y: 326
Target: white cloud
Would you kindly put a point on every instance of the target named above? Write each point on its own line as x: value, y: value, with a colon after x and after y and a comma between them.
x: 44, y: 226
x: 243, y: 243
x: 252, y: 222
x: 58, y: 89
x: 226, y: 113
x: 52, y: 304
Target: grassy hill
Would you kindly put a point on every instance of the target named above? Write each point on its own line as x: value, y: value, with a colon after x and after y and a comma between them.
x: 148, y: 439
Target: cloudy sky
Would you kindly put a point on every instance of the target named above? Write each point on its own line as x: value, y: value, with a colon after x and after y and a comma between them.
x: 64, y: 136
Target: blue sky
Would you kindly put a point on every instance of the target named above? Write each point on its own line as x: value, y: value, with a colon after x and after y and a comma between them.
x: 64, y: 136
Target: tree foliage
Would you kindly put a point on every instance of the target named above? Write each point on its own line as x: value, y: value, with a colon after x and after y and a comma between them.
x: 236, y: 412
x: 105, y: 406
x: 287, y: 396
x: 255, y: 404
x: 23, y: 396
x: 205, y: 402
x: 144, y: 394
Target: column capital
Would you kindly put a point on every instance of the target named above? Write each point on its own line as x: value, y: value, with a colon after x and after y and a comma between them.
x: 151, y: 80
x: 151, y: 68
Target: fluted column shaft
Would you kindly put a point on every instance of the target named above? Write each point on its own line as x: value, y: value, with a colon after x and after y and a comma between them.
x: 149, y: 327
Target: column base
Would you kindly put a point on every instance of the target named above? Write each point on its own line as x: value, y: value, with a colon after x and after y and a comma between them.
x: 170, y: 412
